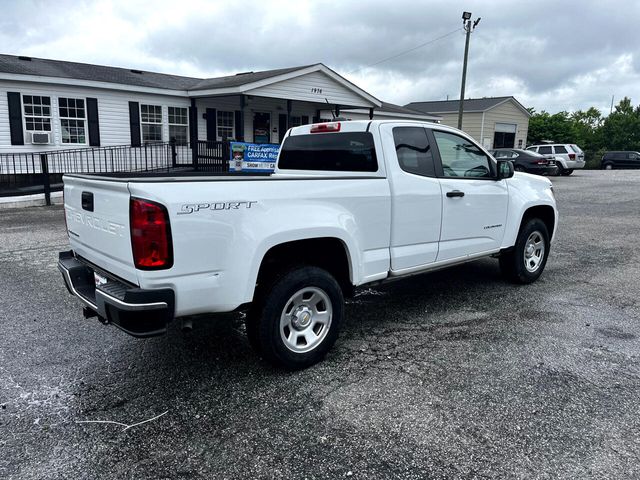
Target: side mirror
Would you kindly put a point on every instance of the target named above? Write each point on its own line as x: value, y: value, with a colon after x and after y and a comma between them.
x: 505, y: 169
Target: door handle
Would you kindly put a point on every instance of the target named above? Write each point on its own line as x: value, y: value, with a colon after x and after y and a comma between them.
x: 455, y: 193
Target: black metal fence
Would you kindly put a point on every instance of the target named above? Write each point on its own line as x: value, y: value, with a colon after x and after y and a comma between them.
x: 41, y: 172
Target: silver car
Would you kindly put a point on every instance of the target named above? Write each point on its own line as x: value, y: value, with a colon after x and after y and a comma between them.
x: 568, y: 156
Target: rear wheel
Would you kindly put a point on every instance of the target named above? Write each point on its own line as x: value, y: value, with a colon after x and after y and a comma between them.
x: 296, y: 320
x: 526, y: 261
x: 520, y: 168
x: 567, y: 171
x: 608, y: 166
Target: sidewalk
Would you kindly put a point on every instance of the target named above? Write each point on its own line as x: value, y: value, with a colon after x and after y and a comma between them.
x: 36, y: 200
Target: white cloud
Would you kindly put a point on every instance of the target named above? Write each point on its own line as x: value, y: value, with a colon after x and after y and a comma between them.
x: 550, y: 55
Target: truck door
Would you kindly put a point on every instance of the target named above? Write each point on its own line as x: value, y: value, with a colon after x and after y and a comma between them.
x: 474, y: 204
x: 416, y: 198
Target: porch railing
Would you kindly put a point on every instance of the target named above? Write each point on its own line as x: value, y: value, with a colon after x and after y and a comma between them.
x: 41, y: 172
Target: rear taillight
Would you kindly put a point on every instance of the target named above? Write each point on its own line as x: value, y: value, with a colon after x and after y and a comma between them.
x: 150, y: 235
x: 325, y: 127
x: 572, y: 156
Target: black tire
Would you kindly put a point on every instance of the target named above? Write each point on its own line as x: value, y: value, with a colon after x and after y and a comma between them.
x: 519, y: 168
x: 607, y: 166
x: 560, y: 170
x: 512, y: 262
x: 567, y: 172
x: 263, y: 321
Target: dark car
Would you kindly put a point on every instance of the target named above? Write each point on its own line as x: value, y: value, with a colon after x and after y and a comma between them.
x: 627, y: 159
x: 527, y: 161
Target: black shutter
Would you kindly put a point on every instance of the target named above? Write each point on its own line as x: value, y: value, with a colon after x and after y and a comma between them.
x: 134, y: 123
x: 94, y: 124
x: 15, y: 118
x: 193, y: 123
x: 282, y: 126
x: 316, y: 119
x: 239, y: 124
x: 305, y: 119
x: 212, y: 121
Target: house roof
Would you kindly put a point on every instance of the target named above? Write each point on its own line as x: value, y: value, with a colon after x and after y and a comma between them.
x: 84, y: 71
x: 190, y: 86
x: 470, y: 105
x: 245, y: 78
x: 392, y: 109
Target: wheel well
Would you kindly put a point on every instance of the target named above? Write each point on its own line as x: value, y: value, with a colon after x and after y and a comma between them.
x: 544, y: 213
x: 327, y: 253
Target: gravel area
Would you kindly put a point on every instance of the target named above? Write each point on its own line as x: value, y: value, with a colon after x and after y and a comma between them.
x: 454, y: 374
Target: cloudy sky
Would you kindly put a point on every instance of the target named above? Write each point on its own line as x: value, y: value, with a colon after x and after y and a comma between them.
x: 550, y: 55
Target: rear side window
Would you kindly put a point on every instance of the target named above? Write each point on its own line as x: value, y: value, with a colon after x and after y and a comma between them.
x: 340, y: 152
x: 560, y: 149
x: 545, y: 150
x: 413, y: 151
x: 576, y: 148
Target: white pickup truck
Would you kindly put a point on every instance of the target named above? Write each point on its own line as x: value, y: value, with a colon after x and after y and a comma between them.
x: 349, y: 204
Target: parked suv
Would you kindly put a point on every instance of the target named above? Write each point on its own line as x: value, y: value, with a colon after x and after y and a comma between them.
x: 568, y: 156
x: 527, y: 161
x: 611, y: 160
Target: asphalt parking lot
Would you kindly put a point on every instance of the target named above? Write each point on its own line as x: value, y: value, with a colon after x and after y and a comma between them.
x: 453, y: 374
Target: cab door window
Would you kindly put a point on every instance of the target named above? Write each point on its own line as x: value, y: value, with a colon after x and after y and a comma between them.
x: 461, y: 158
x: 413, y: 151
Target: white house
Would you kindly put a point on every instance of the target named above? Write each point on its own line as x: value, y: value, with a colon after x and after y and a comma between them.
x: 50, y: 104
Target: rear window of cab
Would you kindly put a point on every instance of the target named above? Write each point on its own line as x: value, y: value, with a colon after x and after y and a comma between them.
x: 339, y: 152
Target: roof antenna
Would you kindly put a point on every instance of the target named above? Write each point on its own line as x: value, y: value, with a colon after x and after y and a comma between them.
x: 332, y: 113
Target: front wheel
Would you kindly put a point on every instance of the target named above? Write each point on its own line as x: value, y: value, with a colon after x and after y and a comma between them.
x: 525, y: 263
x: 608, y: 166
x: 296, y: 321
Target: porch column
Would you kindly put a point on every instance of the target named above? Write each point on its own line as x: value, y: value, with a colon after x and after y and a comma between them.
x: 193, y: 132
x: 371, y: 113
x: 289, y: 106
x: 239, y: 120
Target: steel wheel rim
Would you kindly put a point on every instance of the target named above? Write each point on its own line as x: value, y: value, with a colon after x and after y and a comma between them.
x: 306, y: 319
x: 534, y: 249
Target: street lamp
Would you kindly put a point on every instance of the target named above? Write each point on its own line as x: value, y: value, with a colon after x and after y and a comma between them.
x: 468, y: 27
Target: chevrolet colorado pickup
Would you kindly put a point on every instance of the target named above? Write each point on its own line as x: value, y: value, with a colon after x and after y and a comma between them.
x: 349, y: 204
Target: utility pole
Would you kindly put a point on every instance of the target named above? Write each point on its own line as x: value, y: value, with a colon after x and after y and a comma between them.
x: 468, y: 27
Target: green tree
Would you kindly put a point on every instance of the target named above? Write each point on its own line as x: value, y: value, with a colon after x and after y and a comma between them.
x: 587, y: 128
x: 621, y: 129
x: 556, y: 128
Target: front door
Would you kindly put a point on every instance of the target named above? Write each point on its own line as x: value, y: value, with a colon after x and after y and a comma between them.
x: 474, y: 204
x: 261, y: 127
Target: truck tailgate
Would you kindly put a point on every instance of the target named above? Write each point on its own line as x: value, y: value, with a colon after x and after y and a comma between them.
x: 97, y: 214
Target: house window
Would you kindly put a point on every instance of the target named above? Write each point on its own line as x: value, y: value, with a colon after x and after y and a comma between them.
x: 225, y: 124
x: 72, y: 120
x: 179, y: 125
x: 295, y: 121
x: 151, y: 121
x: 37, y: 113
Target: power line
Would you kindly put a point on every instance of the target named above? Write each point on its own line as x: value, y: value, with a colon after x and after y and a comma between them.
x: 406, y: 51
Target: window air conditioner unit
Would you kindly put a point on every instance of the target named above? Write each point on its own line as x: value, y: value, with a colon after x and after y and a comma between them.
x: 40, y: 138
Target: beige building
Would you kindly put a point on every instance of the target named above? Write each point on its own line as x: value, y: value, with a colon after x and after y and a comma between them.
x: 494, y: 121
